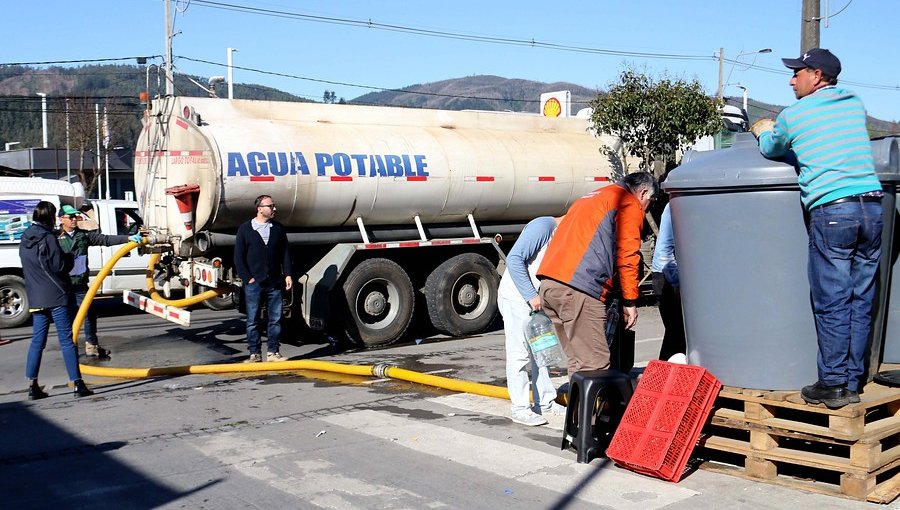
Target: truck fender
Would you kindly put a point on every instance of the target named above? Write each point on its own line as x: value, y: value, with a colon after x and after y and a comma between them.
x: 317, y: 283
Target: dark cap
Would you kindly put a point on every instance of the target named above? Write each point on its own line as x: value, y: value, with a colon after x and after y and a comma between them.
x: 816, y: 58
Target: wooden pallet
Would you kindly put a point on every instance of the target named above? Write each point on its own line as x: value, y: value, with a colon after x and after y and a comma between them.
x: 776, y: 437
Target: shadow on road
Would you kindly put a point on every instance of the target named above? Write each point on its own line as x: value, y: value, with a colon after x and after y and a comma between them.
x: 45, y: 466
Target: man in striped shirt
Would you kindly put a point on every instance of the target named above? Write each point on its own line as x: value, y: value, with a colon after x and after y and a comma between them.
x: 826, y: 129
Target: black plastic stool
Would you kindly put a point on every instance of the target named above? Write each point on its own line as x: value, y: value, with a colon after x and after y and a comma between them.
x: 597, y: 401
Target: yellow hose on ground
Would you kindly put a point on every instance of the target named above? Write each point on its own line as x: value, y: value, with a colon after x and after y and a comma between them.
x: 474, y: 388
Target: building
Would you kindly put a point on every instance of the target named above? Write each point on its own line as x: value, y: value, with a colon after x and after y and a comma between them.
x: 54, y: 164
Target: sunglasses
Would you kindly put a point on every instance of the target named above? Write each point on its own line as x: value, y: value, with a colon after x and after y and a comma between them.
x: 271, y: 206
x: 72, y: 216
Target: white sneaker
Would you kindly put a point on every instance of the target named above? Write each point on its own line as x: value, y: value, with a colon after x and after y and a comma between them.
x: 254, y: 358
x: 528, y: 417
x: 275, y: 356
x: 554, y: 409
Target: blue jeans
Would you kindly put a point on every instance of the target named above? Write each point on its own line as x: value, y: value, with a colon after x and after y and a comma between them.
x: 254, y: 293
x: 61, y: 317
x: 844, y: 253
x: 90, y: 319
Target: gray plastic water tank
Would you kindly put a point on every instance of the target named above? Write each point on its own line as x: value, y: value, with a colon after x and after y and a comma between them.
x: 741, y: 239
x: 887, y: 153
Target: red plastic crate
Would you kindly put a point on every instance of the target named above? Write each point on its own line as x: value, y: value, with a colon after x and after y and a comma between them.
x: 663, y: 420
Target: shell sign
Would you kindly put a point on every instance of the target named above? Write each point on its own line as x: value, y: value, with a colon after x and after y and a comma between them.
x: 556, y: 104
x: 552, y: 108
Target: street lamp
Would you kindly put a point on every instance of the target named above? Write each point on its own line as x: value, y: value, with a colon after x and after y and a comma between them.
x: 744, y: 89
x: 722, y: 79
x: 44, y: 115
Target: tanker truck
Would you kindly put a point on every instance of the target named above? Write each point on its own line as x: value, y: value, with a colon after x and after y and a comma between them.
x: 388, y: 210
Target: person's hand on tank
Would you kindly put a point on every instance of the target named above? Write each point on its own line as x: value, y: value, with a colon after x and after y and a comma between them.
x: 761, y: 126
x: 136, y: 238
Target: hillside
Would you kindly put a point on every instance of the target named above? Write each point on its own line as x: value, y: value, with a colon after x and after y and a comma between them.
x: 483, y: 92
x: 117, y: 87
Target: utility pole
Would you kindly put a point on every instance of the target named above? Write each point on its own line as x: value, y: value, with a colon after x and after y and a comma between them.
x: 721, y: 93
x: 97, y: 159
x: 44, y: 116
x: 68, y: 151
x: 170, y: 84
x: 809, y: 25
x: 231, y: 73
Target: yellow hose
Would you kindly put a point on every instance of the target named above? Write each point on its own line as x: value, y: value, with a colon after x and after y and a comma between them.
x: 179, y: 303
x: 92, y: 291
x: 474, y: 388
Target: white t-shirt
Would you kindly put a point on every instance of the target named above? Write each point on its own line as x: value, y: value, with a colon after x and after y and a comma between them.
x: 263, y: 229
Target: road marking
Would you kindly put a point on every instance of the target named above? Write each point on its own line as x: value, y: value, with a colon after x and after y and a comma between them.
x: 555, y: 472
x: 314, y: 481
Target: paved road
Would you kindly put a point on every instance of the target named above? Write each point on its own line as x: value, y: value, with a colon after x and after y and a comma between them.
x: 308, y: 440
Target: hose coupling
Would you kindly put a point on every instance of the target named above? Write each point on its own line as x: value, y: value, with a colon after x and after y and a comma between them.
x: 380, y: 370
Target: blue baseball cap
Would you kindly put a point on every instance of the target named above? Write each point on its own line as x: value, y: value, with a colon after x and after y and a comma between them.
x: 816, y: 58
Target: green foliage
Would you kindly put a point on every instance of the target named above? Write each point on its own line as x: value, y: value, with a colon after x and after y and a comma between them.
x: 654, y: 119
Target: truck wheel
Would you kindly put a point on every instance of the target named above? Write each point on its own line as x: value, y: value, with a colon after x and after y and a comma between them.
x: 380, y: 299
x: 13, y: 302
x: 461, y: 295
x: 219, y: 303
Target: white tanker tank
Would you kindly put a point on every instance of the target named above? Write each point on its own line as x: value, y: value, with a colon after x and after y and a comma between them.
x: 353, y: 178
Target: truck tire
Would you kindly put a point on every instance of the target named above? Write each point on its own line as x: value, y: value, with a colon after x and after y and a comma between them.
x: 380, y: 298
x: 219, y: 303
x: 461, y: 295
x: 13, y: 302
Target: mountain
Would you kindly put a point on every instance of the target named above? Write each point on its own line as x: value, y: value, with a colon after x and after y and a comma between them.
x: 482, y: 92
x: 117, y: 87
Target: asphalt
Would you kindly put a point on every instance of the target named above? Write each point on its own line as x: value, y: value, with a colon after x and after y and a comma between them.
x: 294, y: 440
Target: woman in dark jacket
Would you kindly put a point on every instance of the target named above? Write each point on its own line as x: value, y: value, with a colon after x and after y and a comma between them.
x: 47, y: 286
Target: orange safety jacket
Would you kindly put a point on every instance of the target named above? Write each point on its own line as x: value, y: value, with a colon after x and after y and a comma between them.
x: 598, y: 239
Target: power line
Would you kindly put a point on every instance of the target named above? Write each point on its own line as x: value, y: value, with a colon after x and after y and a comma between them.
x: 843, y: 81
x: 82, y: 61
x: 368, y: 23
x: 368, y: 87
x: 491, y: 39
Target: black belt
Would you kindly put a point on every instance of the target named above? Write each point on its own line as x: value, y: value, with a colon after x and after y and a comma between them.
x: 853, y: 198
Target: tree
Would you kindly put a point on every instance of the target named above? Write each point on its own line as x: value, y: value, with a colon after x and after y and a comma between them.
x: 654, y: 119
x: 330, y: 97
x: 84, y: 126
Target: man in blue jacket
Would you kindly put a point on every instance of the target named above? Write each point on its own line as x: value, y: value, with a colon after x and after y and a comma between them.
x: 262, y: 261
x: 517, y: 296
x: 826, y: 129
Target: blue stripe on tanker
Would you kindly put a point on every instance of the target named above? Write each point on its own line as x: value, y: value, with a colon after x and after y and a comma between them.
x: 254, y: 164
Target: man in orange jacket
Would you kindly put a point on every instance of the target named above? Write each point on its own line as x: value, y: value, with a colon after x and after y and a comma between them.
x: 596, y: 246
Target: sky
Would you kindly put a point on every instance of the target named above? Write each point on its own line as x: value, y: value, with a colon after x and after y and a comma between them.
x: 318, y: 45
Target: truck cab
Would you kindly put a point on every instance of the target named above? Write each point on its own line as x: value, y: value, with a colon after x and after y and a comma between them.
x: 111, y: 217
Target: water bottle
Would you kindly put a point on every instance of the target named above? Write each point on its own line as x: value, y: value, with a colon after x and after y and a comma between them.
x: 542, y: 340
x: 612, y: 322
